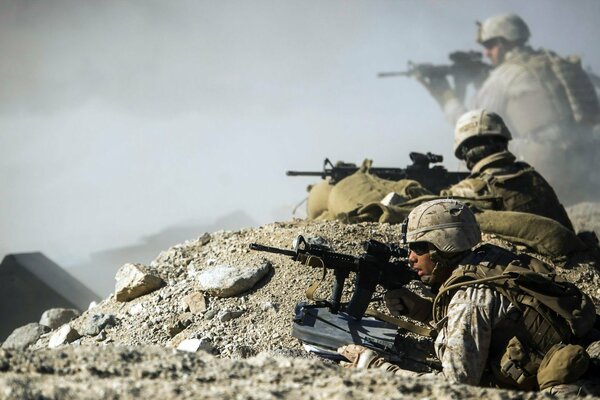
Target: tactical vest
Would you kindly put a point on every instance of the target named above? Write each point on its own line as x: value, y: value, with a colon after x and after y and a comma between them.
x: 568, y: 86
x: 549, y: 311
x: 521, y: 188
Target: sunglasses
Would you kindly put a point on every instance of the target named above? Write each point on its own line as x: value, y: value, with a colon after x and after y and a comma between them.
x: 419, y: 248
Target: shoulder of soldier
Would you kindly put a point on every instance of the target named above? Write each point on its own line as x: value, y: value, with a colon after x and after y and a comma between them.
x: 489, y: 256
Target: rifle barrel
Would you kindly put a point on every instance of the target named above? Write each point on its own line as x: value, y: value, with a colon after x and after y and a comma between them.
x: 260, y: 247
x: 305, y: 173
x: 392, y: 74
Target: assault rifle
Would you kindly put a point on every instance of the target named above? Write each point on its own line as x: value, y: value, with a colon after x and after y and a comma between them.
x: 434, y: 178
x: 466, y: 67
x: 329, y: 324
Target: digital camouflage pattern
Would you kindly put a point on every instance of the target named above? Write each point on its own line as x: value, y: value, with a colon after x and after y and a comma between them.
x: 464, y: 338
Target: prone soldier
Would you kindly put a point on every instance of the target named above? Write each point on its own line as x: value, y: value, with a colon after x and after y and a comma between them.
x: 481, y: 139
x: 492, y: 327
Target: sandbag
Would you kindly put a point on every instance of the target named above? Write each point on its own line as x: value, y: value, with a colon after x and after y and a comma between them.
x: 318, y: 197
x: 541, y: 234
x: 362, y: 188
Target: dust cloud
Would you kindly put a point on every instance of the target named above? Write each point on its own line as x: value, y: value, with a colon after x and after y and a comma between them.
x: 123, y: 121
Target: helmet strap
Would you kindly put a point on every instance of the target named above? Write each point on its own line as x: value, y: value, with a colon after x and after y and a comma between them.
x: 444, y: 264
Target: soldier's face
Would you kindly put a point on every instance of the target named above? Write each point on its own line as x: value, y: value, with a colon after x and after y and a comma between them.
x: 420, y: 259
x: 494, y: 50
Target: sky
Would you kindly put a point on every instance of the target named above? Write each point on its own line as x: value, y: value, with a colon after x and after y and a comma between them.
x: 130, y: 126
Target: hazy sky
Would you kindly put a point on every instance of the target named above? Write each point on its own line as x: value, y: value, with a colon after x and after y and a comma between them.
x: 120, y: 119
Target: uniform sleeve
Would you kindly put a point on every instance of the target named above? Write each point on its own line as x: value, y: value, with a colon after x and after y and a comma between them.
x: 463, y: 344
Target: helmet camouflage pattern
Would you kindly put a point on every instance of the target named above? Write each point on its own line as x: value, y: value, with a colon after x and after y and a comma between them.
x: 510, y: 27
x: 478, y: 122
x: 447, y: 224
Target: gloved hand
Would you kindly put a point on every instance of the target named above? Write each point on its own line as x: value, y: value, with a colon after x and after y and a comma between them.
x: 406, y: 302
x: 438, y: 87
x: 358, y: 356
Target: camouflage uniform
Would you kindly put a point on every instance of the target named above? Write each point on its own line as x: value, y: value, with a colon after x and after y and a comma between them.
x: 517, y: 183
x: 463, y: 342
x: 551, y: 116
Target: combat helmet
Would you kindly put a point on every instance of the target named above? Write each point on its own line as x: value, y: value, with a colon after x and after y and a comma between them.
x: 510, y: 27
x: 447, y: 224
x: 478, y: 123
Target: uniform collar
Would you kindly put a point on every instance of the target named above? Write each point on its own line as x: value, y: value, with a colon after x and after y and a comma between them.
x: 494, y: 160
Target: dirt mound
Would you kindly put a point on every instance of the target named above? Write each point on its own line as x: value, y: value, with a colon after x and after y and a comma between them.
x: 259, y: 322
x: 118, y: 372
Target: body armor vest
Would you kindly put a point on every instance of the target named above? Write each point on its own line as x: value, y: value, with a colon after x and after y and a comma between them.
x: 549, y: 311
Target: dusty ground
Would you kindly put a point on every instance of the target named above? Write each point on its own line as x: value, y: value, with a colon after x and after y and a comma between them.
x: 254, y: 355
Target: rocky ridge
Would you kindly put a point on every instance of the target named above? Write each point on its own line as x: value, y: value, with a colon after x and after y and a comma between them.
x: 246, y: 350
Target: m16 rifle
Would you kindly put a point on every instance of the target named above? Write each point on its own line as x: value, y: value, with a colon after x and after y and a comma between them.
x: 328, y: 324
x: 434, y: 178
x: 466, y: 67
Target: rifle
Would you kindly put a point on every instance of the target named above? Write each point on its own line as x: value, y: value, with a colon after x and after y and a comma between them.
x: 466, y: 67
x: 434, y: 178
x: 372, y: 268
x: 329, y: 324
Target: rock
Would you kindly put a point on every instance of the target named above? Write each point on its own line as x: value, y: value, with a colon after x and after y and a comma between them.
x: 24, y: 336
x: 64, y: 335
x: 228, y: 315
x: 133, y: 280
x: 136, y: 309
x: 95, y: 323
x: 204, y: 239
x: 196, y: 302
x: 210, y: 314
x: 226, y: 281
x: 55, y: 317
x: 392, y: 199
x: 193, y: 345
x: 179, y: 324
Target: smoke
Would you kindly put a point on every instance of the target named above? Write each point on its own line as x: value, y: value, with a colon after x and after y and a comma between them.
x: 123, y: 119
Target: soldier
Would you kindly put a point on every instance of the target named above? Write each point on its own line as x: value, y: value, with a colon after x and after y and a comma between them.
x: 481, y: 140
x: 548, y: 103
x: 488, y: 334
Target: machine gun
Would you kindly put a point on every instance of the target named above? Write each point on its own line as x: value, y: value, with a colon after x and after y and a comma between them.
x: 329, y: 324
x: 434, y: 178
x: 466, y: 67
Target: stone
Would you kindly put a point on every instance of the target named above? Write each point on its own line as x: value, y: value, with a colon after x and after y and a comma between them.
x: 133, y: 281
x: 227, y: 281
x: 204, y: 239
x: 392, y: 199
x: 96, y: 323
x: 193, y: 345
x: 228, y: 315
x: 64, y: 335
x: 56, y: 317
x: 196, y: 302
x: 24, y: 336
x: 136, y: 309
x: 179, y: 324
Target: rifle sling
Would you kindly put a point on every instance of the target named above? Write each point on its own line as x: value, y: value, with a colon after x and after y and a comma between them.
x: 310, y: 292
x: 409, y: 326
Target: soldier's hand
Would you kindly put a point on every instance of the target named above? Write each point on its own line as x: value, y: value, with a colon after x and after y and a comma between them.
x: 357, y: 356
x: 437, y: 86
x: 406, y: 302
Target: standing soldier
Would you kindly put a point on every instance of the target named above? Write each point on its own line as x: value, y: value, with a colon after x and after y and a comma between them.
x: 547, y: 101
